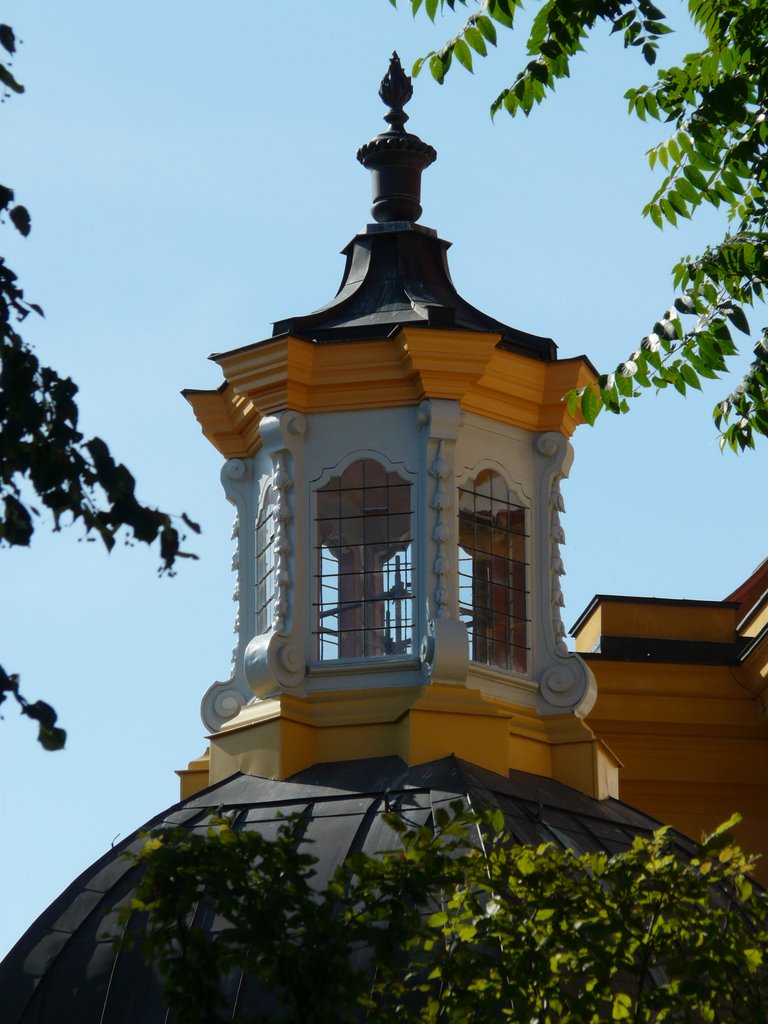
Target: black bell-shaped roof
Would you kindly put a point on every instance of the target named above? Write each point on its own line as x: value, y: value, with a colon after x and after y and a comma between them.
x: 67, y: 967
x: 396, y: 273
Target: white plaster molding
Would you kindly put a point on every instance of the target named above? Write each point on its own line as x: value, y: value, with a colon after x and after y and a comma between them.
x: 564, y: 679
x: 443, y: 417
x: 224, y: 699
x: 235, y: 566
x: 274, y: 662
x: 328, y: 471
x: 276, y: 659
x: 444, y: 649
x: 493, y: 682
x: 282, y: 484
x: 442, y: 503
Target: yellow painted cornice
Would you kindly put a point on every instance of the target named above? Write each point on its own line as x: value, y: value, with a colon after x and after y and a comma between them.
x: 446, y: 364
x: 610, y: 615
x: 527, y: 392
x: 229, y: 421
x: 414, y: 364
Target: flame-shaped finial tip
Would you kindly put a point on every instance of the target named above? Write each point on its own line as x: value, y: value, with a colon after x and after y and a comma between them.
x: 395, y: 90
x: 396, y: 158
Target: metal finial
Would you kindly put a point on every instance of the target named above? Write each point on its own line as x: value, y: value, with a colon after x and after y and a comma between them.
x: 395, y: 90
x: 395, y: 157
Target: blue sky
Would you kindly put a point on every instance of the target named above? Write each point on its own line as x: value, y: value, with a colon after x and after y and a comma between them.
x: 191, y: 177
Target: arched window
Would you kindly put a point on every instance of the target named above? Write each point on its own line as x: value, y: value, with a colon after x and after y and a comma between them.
x: 266, y: 528
x: 364, y: 564
x: 493, y: 592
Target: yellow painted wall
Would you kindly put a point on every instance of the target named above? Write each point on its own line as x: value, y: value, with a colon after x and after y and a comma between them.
x: 692, y: 738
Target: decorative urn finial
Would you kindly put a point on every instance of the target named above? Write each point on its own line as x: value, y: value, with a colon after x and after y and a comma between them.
x: 395, y: 91
x: 396, y: 158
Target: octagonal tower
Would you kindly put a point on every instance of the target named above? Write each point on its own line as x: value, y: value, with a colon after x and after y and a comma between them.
x: 395, y: 461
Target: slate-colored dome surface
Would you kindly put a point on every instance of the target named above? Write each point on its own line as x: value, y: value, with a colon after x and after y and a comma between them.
x: 66, y: 967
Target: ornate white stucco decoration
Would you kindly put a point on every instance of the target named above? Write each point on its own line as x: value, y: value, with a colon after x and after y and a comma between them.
x: 276, y: 659
x: 223, y: 700
x: 444, y: 649
x: 235, y: 536
x: 282, y: 484
x: 441, y: 534
x: 557, y: 537
x: 565, y: 681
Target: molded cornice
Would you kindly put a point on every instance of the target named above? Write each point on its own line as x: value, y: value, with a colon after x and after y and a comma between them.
x: 402, y: 370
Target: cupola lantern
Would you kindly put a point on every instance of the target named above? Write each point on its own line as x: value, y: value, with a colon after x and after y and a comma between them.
x: 395, y: 461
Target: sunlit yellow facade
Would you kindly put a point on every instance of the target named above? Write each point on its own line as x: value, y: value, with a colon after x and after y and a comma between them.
x: 681, y: 700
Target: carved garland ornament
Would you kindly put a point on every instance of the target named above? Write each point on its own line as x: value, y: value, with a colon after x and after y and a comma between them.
x: 282, y: 483
x: 441, y: 502
x: 235, y: 536
x: 223, y: 700
x: 557, y: 537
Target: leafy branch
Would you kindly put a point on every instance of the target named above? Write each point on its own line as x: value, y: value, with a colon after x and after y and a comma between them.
x: 716, y: 100
x: 455, y: 922
x: 49, y: 735
x: 42, y: 451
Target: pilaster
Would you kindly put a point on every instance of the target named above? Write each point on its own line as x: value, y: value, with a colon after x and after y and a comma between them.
x: 444, y: 649
x: 276, y: 660
x: 565, y: 681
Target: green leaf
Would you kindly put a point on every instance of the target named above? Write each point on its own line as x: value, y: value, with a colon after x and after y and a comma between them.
x: 590, y: 406
x: 732, y: 180
x: 690, y: 377
x: 677, y: 382
x: 538, y: 70
x: 486, y: 28
x: 437, y: 69
x: 696, y: 178
x: 678, y: 203
x: 738, y: 318
x: 502, y: 12
x: 476, y: 41
x: 687, y: 191
x: 724, y: 827
x: 622, y: 1006
x: 463, y: 54
x: 668, y: 210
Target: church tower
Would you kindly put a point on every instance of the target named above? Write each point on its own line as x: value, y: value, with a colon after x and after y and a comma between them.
x: 395, y: 460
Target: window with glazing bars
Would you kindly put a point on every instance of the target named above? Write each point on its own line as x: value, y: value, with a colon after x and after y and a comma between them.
x: 364, y: 564
x: 493, y: 591
x: 266, y: 525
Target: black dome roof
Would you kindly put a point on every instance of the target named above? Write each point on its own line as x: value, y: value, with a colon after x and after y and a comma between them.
x: 67, y: 968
